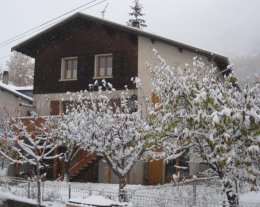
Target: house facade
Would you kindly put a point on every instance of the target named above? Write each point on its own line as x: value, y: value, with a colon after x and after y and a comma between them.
x: 81, y: 49
x: 13, y: 102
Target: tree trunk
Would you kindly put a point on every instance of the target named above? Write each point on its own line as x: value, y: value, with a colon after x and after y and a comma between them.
x: 231, y: 195
x: 38, y: 180
x: 229, y: 189
x: 122, y: 191
x: 66, y: 171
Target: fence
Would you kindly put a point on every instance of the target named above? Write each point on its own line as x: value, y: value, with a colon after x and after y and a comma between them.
x: 197, y: 193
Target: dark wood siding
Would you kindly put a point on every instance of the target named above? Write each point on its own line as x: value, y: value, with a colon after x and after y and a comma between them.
x: 84, y: 39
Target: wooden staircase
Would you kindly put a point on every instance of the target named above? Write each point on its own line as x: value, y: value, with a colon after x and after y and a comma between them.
x: 81, y: 164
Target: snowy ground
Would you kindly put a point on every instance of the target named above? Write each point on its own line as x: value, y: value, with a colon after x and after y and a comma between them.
x: 97, y: 200
x: 10, y: 196
x: 89, y: 201
x: 251, y: 197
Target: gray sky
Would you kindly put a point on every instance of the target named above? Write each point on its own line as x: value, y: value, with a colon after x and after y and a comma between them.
x: 227, y: 27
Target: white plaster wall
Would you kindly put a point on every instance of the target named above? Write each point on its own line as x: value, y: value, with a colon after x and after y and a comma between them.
x: 137, y: 173
x: 102, y: 171
x: 171, y: 54
x: 9, y: 104
x: 42, y: 102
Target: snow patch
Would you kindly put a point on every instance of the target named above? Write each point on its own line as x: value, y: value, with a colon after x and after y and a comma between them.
x: 95, y: 200
x: 250, y: 197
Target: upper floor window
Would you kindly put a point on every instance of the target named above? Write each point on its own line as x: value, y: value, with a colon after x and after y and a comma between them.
x: 103, y: 66
x: 69, y: 67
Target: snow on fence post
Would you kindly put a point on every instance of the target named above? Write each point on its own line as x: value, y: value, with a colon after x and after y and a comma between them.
x: 29, y: 186
x: 90, y: 191
x: 194, y: 185
x: 236, y: 187
x: 69, y: 191
x: 42, y: 190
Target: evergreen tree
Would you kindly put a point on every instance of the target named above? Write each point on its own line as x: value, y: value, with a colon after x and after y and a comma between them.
x: 136, y: 13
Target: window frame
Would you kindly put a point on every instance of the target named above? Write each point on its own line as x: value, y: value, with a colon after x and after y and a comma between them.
x: 64, y: 62
x: 97, y: 68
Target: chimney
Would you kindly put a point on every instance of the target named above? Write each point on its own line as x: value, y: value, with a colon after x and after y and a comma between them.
x: 5, y: 77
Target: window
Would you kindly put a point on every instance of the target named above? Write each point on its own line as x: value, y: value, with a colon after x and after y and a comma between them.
x: 69, y: 67
x: 103, y: 66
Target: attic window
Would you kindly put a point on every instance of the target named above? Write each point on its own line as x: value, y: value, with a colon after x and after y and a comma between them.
x: 103, y: 66
x: 69, y: 68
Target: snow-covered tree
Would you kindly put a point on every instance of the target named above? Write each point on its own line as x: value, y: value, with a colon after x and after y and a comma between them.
x: 201, y: 109
x: 136, y: 14
x: 29, y: 141
x: 102, y: 120
x: 5, y: 127
x: 68, y: 140
x: 21, y: 69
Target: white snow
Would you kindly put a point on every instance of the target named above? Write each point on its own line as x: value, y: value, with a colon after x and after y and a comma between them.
x: 251, y: 197
x: 17, y: 88
x: 3, y: 171
x: 95, y: 200
x: 9, y: 196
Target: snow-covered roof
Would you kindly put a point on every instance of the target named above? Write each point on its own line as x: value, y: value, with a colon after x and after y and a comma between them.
x: 23, y: 88
x: 12, y: 89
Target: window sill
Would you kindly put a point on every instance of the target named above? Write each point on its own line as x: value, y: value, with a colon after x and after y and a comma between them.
x: 103, y: 77
x: 61, y: 80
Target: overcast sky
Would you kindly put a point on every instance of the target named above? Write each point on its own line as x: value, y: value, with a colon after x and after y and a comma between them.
x: 227, y: 27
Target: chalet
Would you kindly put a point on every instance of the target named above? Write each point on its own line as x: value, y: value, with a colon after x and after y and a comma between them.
x: 81, y: 49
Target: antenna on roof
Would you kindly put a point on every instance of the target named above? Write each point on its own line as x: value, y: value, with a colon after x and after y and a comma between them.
x: 104, y: 11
